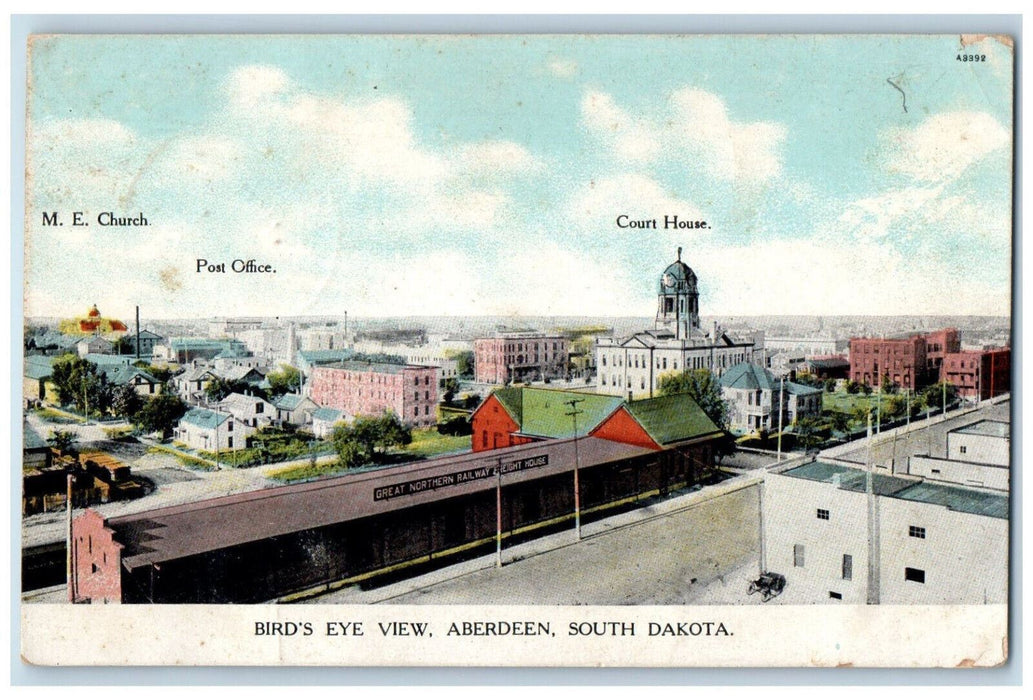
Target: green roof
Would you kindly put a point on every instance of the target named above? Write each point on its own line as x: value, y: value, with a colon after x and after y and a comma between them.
x: 746, y: 375
x: 670, y: 419
x: 39, y: 366
x: 801, y: 389
x: 205, y: 418
x: 545, y: 412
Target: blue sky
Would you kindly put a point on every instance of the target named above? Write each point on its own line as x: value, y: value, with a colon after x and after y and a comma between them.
x: 392, y: 176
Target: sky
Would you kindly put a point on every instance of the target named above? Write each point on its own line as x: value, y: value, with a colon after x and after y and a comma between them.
x: 402, y: 176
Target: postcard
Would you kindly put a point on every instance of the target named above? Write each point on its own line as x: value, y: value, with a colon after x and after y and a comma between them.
x: 517, y: 350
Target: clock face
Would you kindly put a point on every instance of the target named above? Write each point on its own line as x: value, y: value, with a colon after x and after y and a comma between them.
x: 668, y: 280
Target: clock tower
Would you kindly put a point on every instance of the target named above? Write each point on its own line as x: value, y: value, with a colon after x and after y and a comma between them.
x: 678, y: 300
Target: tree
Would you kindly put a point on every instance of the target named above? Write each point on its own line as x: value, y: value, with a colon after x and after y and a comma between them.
x: 359, y: 442
x: 888, y: 386
x: 703, y: 387
x: 867, y: 389
x: 79, y: 382
x: 895, y: 407
x: 123, y: 346
x: 219, y: 388
x: 830, y: 385
x: 284, y: 381
x: 63, y: 441
x: 933, y: 395
x: 807, y: 432
x: 161, y: 413
x: 451, y: 387
x: 464, y: 363
x: 126, y: 402
x: 839, y: 421
x: 349, y: 452
x: 852, y: 387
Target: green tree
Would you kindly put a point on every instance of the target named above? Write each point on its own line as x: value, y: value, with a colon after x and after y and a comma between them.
x: 852, y: 387
x: 867, y: 389
x: 839, y: 421
x: 830, y: 386
x: 894, y: 407
x: 464, y: 363
x: 220, y: 388
x: 933, y: 395
x: 161, y: 413
x: 807, y: 432
x: 126, y: 402
x: 79, y: 382
x: 348, y: 449
x: 284, y: 381
x: 888, y: 386
x: 703, y: 387
x: 64, y: 441
x: 123, y: 346
x: 451, y: 387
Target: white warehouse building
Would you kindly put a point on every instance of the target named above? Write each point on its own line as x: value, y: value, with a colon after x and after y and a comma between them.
x: 933, y: 543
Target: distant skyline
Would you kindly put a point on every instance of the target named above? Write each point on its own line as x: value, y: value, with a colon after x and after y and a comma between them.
x: 432, y: 176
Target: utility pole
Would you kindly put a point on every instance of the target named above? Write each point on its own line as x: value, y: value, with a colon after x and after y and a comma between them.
x: 781, y: 393
x: 69, y: 558
x: 573, y: 413
x: 498, y: 514
x: 873, y: 545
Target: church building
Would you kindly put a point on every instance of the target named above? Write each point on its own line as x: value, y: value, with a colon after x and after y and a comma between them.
x: 632, y: 366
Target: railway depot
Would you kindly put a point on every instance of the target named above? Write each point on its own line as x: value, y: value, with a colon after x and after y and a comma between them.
x: 278, y: 542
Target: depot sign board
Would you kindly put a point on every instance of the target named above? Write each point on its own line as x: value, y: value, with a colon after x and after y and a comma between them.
x: 431, y: 483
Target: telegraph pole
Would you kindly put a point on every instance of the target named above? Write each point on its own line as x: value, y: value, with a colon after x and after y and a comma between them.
x: 69, y: 558
x: 781, y: 397
x: 498, y: 515
x: 573, y: 413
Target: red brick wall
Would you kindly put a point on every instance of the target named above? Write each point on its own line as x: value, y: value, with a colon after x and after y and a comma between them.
x: 96, y: 560
x: 978, y: 374
x: 903, y: 360
x: 621, y: 427
x: 531, y: 357
x: 493, y: 427
x: 411, y: 394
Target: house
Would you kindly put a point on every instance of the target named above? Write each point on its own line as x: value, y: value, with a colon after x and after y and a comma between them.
x: 148, y: 339
x: 371, y: 388
x: 295, y: 409
x: 143, y: 382
x: 205, y: 429
x: 94, y: 344
x: 250, y: 410
x: 192, y: 384
x: 242, y: 373
x: 324, y: 420
x: 758, y: 401
x: 36, y: 379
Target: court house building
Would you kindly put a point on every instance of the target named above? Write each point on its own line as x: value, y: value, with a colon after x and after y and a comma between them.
x: 632, y: 366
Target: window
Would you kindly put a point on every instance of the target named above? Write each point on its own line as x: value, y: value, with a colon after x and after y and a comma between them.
x: 798, y: 555
x: 916, y: 575
x: 915, y: 531
x: 230, y: 442
x: 848, y: 567
x: 835, y: 596
x: 823, y: 514
x: 964, y: 449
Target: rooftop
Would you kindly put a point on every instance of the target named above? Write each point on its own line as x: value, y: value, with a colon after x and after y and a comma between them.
x: 205, y: 418
x: 377, y: 367
x: 989, y: 428
x: 175, y: 532
x: 670, y: 419
x: 955, y: 498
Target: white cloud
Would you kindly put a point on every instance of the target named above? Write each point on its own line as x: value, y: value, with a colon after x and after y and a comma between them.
x: 944, y: 145
x: 496, y: 157
x: 817, y: 276
x: 879, y: 216
x: 631, y: 138
x: 251, y: 86
x: 563, y: 67
x: 693, y: 124
x: 599, y: 203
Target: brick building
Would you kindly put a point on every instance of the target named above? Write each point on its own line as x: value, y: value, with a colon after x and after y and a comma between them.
x: 370, y: 388
x: 910, y: 363
x: 516, y: 357
x: 978, y: 374
x: 522, y: 415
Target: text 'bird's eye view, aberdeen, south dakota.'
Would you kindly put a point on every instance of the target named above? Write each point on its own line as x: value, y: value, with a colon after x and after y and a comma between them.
x: 568, y: 350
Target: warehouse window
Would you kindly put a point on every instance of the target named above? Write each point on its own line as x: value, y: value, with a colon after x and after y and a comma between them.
x: 916, y: 575
x: 823, y: 514
x: 915, y: 531
x: 835, y: 596
x: 848, y: 567
x: 798, y: 555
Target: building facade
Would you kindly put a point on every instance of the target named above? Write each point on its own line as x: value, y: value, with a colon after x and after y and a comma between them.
x: 632, y: 366
x: 910, y: 363
x: 978, y: 374
x: 755, y: 397
x: 205, y: 429
x: 906, y: 541
x: 370, y: 388
x: 520, y: 357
